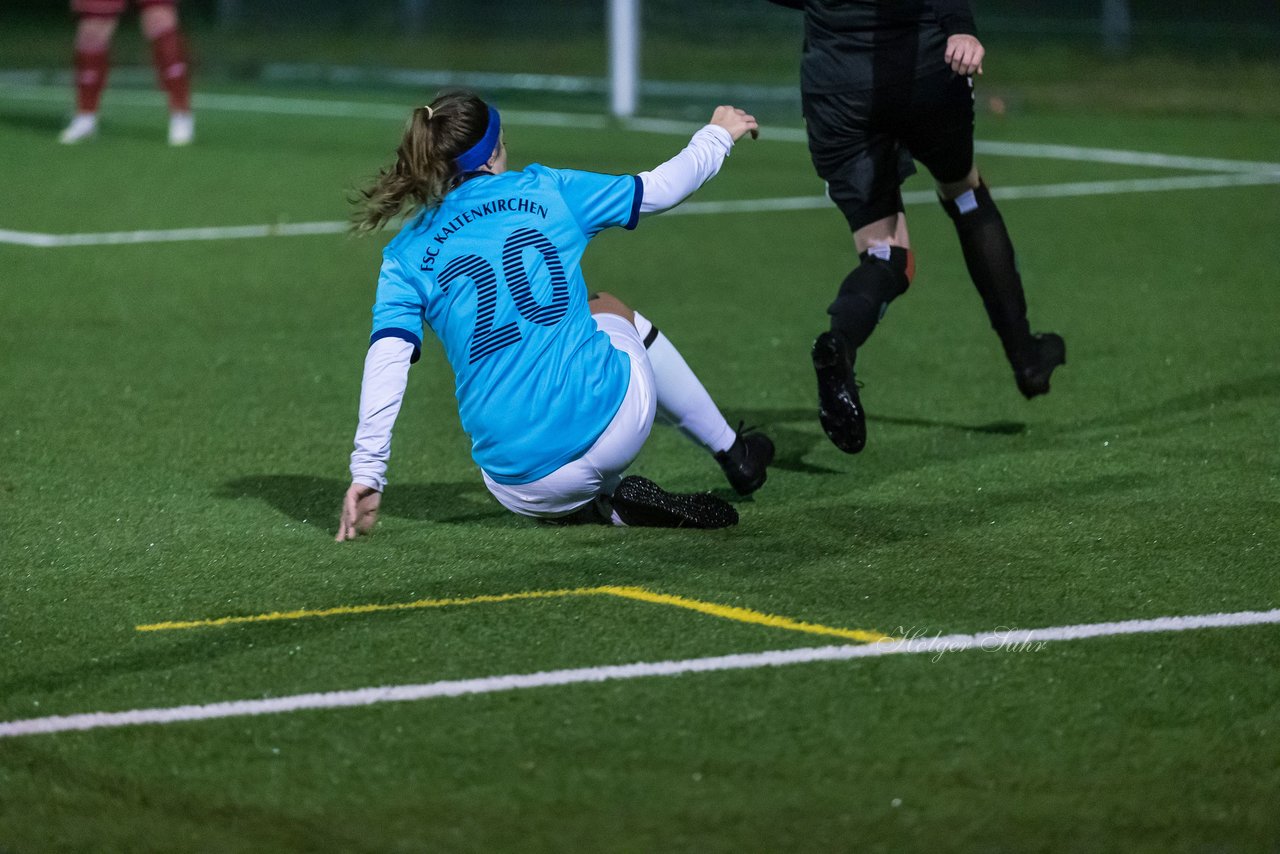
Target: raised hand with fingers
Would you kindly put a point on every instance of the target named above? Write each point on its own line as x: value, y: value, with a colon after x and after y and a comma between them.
x: 736, y: 122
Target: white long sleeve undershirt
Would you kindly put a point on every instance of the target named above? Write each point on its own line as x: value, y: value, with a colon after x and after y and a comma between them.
x: 669, y: 184
x: 386, y: 374
x: 386, y: 365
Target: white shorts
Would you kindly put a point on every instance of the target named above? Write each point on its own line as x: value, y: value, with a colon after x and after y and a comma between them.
x: 599, y: 470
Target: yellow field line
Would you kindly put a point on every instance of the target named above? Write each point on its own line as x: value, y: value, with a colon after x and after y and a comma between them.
x: 743, y: 615
x: 640, y: 594
x: 367, y: 609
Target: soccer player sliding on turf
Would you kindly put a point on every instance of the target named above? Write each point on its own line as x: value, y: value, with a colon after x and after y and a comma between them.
x: 557, y: 389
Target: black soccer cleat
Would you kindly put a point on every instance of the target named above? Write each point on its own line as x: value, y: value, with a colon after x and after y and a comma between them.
x: 1033, y: 369
x: 641, y: 503
x: 839, y: 409
x: 746, y: 460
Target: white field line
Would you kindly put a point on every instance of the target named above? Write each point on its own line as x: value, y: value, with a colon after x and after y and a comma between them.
x: 314, y: 107
x: 171, y: 235
x: 1033, y: 191
x: 1118, y: 157
x: 1000, y: 639
x: 789, y: 203
x: 363, y: 109
x: 304, y: 74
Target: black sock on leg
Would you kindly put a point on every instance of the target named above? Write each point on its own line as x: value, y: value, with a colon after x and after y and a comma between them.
x: 988, y: 253
x: 865, y: 294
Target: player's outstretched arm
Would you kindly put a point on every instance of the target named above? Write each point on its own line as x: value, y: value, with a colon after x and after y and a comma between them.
x: 386, y: 375
x: 672, y: 182
x: 359, y: 511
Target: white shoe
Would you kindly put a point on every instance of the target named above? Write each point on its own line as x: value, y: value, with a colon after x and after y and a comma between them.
x: 182, y: 128
x: 83, y: 126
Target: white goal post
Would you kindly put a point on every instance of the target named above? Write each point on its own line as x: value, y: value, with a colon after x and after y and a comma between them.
x: 624, y: 57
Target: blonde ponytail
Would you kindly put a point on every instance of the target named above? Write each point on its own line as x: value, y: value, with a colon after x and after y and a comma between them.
x: 425, y: 169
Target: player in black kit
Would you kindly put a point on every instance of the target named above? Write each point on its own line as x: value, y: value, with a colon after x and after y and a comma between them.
x: 885, y: 82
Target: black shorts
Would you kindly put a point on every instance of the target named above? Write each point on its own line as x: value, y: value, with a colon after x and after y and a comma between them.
x: 863, y: 143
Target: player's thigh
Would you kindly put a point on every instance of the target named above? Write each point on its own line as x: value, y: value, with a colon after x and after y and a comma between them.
x: 626, y: 434
x: 599, y: 470
x: 606, y: 303
x: 94, y: 32
x: 937, y: 125
x: 857, y: 155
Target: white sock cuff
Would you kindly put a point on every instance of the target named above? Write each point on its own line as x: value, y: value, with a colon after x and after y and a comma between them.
x: 724, y: 441
x: 644, y: 326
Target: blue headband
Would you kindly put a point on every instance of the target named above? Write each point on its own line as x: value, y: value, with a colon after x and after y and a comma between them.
x: 478, y: 155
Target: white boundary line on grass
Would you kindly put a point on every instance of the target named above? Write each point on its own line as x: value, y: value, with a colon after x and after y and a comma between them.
x: 1032, y: 191
x: 169, y: 235
x: 1022, y: 639
x: 789, y: 203
x: 320, y: 108
x: 1226, y: 173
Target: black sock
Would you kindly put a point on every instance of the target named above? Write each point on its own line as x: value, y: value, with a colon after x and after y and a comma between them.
x: 988, y: 253
x: 865, y: 294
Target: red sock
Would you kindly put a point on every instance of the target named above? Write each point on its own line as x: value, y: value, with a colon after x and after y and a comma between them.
x: 169, y: 55
x: 91, y: 78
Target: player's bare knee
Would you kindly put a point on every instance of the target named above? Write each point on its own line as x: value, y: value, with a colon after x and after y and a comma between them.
x: 886, y: 231
x: 606, y: 303
x: 94, y: 33
x: 951, y: 190
x: 158, y: 20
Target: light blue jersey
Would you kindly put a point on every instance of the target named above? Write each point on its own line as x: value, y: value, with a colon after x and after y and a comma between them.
x: 495, y: 272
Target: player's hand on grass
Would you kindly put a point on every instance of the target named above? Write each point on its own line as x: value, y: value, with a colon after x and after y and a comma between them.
x: 736, y: 122
x: 359, y: 511
x: 964, y: 54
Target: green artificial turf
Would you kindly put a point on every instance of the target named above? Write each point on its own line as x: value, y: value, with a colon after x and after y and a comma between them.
x: 174, y: 425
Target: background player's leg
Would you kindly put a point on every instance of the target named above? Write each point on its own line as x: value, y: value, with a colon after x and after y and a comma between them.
x: 988, y: 253
x: 855, y: 149
x: 940, y: 135
x: 989, y: 256
x: 883, y: 274
x: 92, y: 62
x: 169, y: 55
